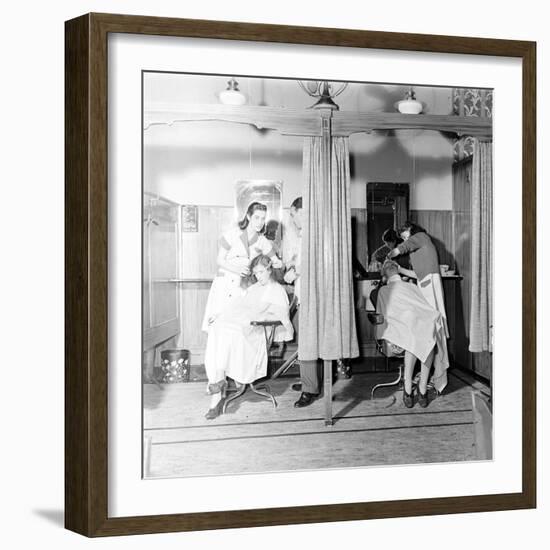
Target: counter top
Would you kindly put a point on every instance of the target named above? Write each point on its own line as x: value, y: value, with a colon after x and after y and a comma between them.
x: 374, y: 276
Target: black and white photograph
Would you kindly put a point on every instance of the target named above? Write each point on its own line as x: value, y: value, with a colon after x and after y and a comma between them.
x: 317, y: 274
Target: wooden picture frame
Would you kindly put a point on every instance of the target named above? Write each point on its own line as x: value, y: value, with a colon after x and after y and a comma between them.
x: 86, y: 220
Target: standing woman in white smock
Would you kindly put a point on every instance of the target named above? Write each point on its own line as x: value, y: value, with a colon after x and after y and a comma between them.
x: 237, y: 247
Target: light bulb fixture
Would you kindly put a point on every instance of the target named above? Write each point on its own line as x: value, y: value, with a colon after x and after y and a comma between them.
x: 232, y: 95
x: 410, y: 105
x: 324, y: 91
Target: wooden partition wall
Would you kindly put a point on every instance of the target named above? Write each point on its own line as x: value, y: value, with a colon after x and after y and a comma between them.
x: 439, y: 225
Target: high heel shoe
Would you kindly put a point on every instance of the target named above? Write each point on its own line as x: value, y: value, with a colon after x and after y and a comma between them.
x: 408, y: 399
x: 215, y: 411
x: 423, y: 398
x: 218, y: 387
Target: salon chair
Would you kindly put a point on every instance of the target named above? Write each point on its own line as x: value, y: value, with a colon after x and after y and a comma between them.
x: 291, y: 361
x: 386, y: 349
x: 389, y: 350
x: 343, y: 370
x: 262, y: 389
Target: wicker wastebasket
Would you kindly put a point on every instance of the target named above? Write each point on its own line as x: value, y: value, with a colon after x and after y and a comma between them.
x: 174, y: 364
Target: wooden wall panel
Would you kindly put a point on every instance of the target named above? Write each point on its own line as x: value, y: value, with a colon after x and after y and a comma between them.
x: 200, y: 249
x: 194, y: 297
x: 463, y: 264
x: 439, y: 225
x: 463, y: 249
x: 359, y: 235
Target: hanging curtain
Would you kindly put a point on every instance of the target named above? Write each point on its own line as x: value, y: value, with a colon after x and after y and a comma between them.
x: 481, y: 317
x: 327, y: 314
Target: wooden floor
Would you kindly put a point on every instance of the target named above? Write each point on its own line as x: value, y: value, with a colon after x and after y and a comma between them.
x: 254, y: 436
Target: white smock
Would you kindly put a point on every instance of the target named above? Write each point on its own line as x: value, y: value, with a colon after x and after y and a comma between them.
x: 431, y: 287
x: 237, y: 349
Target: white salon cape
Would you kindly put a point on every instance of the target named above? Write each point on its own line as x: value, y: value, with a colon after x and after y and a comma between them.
x: 411, y: 323
x: 237, y: 349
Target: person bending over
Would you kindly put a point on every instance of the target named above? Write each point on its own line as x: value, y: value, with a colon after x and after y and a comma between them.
x: 391, y: 240
x: 425, y: 265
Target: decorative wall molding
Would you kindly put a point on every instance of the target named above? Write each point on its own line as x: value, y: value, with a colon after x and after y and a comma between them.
x: 475, y: 103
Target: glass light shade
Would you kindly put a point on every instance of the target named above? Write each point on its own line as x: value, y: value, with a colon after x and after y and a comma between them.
x: 409, y: 106
x: 232, y: 95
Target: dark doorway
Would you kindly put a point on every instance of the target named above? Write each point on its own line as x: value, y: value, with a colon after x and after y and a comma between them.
x: 387, y: 207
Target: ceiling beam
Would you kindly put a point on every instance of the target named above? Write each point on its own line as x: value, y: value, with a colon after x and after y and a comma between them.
x: 307, y: 122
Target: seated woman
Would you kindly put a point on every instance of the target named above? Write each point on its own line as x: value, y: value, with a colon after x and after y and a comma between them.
x: 413, y: 325
x: 237, y: 349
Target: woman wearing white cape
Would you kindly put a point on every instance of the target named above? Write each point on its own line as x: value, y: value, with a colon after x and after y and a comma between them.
x: 236, y: 348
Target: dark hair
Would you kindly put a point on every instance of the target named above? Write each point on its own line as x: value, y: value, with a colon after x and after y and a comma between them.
x: 390, y: 236
x: 412, y: 227
x: 271, y: 228
x: 297, y: 203
x: 262, y: 259
x: 253, y: 206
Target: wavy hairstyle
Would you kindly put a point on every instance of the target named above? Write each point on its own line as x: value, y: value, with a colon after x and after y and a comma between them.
x: 250, y: 279
x: 252, y: 207
x: 390, y: 236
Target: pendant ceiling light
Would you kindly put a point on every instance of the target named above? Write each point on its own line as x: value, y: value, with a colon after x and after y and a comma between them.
x: 410, y: 105
x: 232, y: 95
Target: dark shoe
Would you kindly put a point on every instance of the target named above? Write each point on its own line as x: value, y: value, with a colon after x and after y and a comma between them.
x: 408, y: 399
x: 297, y: 386
x: 343, y: 370
x: 423, y: 399
x: 306, y: 399
x: 214, y: 412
